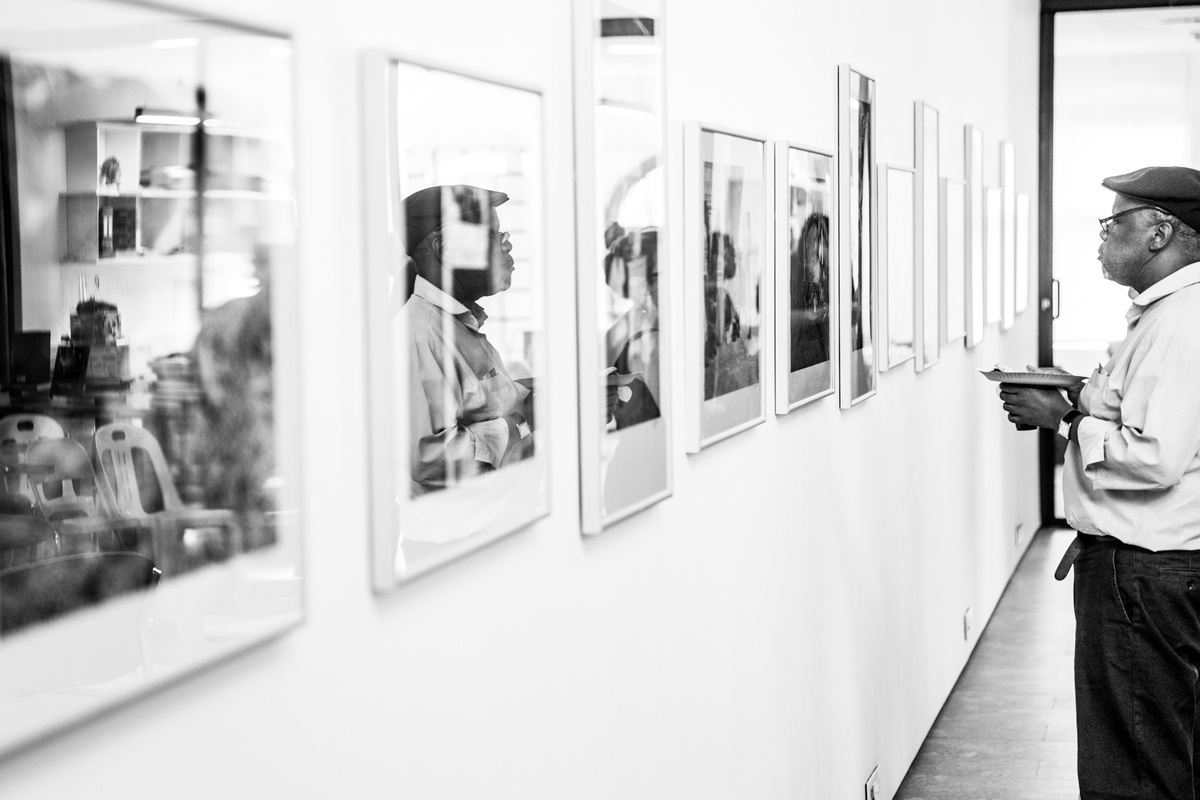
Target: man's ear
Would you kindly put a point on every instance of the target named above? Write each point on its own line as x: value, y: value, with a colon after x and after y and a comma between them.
x: 1162, y: 234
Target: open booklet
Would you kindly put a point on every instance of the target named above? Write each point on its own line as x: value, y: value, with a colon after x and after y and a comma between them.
x: 1032, y: 376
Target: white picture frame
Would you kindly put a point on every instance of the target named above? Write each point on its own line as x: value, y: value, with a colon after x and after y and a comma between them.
x: 927, y: 274
x: 1008, y: 235
x: 432, y: 502
x: 726, y: 288
x: 858, y: 272
x: 897, y: 266
x: 993, y: 249
x: 953, y: 259
x: 976, y: 279
x: 1024, y: 254
x: 165, y: 591
x: 624, y: 287
x: 805, y: 289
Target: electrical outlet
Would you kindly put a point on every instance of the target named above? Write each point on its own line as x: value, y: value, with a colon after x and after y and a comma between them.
x: 872, y: 788
x: 967, y: 625
x: 1019, y: 533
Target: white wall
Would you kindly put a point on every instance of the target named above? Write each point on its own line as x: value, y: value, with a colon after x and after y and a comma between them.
x: 789, y: 619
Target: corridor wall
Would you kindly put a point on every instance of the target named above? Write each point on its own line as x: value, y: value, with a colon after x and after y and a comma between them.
x: 790, y: 618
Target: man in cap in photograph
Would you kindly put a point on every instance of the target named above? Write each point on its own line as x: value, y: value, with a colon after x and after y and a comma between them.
x: 468, y: 415
x: 1131, y: 488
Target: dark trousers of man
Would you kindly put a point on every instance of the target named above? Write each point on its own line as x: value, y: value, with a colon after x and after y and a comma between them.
x: 1137, y: 664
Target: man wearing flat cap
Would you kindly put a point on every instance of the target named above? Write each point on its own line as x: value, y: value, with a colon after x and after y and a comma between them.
x: 468, y: 416
x: 1131, y: 487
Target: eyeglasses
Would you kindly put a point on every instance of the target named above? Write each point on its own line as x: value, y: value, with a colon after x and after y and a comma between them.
x: 1107, y: 222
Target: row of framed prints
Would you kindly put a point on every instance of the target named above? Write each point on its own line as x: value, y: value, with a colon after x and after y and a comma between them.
x: 844, y: 267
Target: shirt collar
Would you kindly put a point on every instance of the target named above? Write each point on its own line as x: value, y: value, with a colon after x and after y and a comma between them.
x: 1184, y: 276
x: 475, y: 316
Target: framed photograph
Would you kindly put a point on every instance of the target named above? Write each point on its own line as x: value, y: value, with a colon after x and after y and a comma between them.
x: 152, y: 490
x: 976, y: 306
x: 1008, y: 235
x: 857, y: 268
x: 623, y: 301
x: 455, y: 313
x: 804, y: 287
x: 896, y: 266
x: 725, y: 230
x: 928, y: 265
x: 1023, y: 252
x: 953, y: 248
x: 993, y: 252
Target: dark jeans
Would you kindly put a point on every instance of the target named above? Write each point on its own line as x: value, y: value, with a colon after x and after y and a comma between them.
x: 1137, y: 663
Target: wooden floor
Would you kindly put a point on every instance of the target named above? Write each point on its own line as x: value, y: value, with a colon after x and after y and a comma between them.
x: 1007, y: 731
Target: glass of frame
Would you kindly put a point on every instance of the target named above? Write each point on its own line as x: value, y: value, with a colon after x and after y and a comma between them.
x: 1008, y: 200
x: 456, y: 309
x: 804, y: 252
x: 153, y: 213
x: 896, y: 266
x: 976, y: 306
x: 953, y: 247
x: 993, y: 252
x: 624, y: 423
x: 1023, y: 244
x: 857, y: 268
x: 926, y: 275
x: 725, y: 219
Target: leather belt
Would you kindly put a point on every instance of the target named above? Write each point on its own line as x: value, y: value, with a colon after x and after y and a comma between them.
x: 1075, y: 548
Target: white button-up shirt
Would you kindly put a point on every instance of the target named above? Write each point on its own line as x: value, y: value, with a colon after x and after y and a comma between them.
x: 1135, y: 474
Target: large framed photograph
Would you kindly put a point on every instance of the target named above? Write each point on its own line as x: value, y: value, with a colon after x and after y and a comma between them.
x: 1008, y: 235
x: 896, y: 266
x: 1023, y: 253
x: 149, y: 513
x: 928, y: 265
x: 953, y: 247
x: 993, y: 252
x: 857, y: 268
x: 976, y: 306
x: 455, y: 312
x: 623, y: 298
x: 725, y: 234
x: 804, y: 287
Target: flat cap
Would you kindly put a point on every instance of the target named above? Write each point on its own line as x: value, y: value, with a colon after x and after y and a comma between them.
x: 1173, y: 189
x: 428, y: 209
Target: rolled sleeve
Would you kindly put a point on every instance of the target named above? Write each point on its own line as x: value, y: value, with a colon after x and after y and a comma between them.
x: 1158, y: 437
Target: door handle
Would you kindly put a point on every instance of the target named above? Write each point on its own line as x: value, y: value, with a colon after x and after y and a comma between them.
x: 1054, y: 299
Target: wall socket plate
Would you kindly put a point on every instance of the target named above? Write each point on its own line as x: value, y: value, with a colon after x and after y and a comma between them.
x: 872, y: 787
x: 967, y: 625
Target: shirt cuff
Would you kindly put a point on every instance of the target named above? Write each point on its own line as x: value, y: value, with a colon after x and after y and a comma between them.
x: 1092, y: 433
x: 491, y: 441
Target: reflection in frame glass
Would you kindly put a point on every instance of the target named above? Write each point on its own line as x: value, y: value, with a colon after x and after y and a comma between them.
x: 993, y: 252
x: 804, y: 288
x: 976, y: 306
x: 927, y: 272
x: 1008, y: 234
x: 624, y: 331
x: 1023, y: 244
x: 953, y: 248
x: 725, y: 231
x: 165, y: 249
x: 456, y: 309
x: 857, y: 265
x: 896, y: 266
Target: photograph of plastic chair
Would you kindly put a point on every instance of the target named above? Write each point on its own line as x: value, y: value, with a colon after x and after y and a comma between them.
x: 137, y: 476
x: 17, y: 432
x: 74, y: 502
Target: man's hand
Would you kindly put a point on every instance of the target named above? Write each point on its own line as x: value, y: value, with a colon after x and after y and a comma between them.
x: 1031, y: 405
